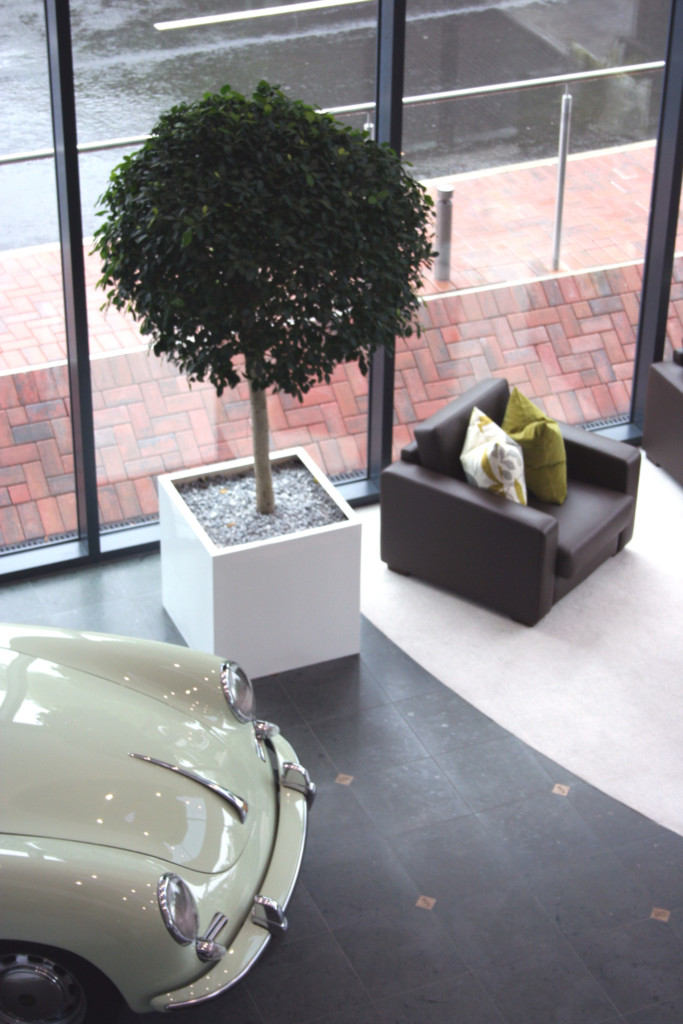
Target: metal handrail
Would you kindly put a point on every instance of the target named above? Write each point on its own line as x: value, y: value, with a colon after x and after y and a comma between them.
x: 83, y: 147
x: 358, y: 108
x: 442, y: 266
x: 535, y: 83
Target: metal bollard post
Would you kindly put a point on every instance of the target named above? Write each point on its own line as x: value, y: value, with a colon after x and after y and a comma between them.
x: 565, y: 124
x: 369, y: 126
x: 442, y: 242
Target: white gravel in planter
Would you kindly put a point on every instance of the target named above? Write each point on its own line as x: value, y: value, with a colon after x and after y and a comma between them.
x: 225, y: 505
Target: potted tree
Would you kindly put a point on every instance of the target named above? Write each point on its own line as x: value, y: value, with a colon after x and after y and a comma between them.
x: 257, y: 239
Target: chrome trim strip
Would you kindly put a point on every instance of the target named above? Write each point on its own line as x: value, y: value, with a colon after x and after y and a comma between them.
x: 236, y: 802
x: 295, y: 776
x: 202, y: 1000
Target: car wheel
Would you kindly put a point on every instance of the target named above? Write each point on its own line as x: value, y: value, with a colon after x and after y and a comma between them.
x: 39, y: 985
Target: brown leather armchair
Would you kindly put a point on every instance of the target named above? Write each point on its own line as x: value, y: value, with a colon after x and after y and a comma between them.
x: 515, y: 559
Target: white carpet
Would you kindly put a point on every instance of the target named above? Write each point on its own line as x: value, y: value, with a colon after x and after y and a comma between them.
x: 597, y: 685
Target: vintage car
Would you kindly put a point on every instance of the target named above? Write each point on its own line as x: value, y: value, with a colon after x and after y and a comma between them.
x: 151, y: 827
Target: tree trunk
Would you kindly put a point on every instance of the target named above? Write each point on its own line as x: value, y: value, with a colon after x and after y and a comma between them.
x: 265, y: 499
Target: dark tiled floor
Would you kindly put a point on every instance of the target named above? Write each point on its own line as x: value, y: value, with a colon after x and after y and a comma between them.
x: 451, y: 874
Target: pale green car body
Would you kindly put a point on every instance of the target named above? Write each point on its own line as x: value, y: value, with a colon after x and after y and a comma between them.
x: 87, y: 829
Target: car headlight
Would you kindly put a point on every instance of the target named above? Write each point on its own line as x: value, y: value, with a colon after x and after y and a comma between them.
x: 178, y: 909
x: 238, y: 691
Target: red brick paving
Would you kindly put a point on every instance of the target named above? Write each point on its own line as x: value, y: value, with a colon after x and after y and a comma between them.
x: 567, y: 340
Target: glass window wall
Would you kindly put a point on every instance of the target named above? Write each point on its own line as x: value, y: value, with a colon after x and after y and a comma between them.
x: 542, y: 279
x: 37, y: 501
x: 131, y: 63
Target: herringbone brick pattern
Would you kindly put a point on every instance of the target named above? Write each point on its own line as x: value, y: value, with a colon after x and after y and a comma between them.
x: 567, y: 340
x: 148, y: 421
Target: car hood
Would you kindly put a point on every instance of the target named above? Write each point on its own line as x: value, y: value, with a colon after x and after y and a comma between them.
x: 69, y: 728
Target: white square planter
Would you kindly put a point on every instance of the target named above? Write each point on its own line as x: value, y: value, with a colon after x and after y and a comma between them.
x: 270, y: 605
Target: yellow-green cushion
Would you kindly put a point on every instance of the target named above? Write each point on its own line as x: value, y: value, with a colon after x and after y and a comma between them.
x: 491, y: 460
x: 540, y: 438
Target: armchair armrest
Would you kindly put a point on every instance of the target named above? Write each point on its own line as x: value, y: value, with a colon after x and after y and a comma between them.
x: 410, y: 453
x: 601, y: 461
x: 461, y: 538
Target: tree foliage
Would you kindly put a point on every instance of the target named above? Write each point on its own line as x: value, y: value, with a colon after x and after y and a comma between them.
x: 264, y: 228
x: 259, y: 238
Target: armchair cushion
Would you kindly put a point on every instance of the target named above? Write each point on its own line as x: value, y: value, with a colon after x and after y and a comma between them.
x: 540, y: 438
x: 588, y: 521
x: 492, y: 460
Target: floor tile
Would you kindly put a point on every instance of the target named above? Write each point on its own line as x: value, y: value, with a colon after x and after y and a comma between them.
x: 341, y: 687
x: 498, y: 926
x: 443, y: 721
x: 636, y: 966
x: 486, y: 908
x: 356, y: 875
x: 408, y: 796
x: 421, y: 950
x: 534, y: 830
x: 549, y: 990
x: 435, y: 1004
x: 589, y: 892
x: 613, y: 822
x: 274, y: 704
x: 500, y: 772
x: 21, y: 603
x: 657, y: 864
x: 377, y: 738
x: 363, y: 1014
x: 340, y: 819
x: 398, y: 675
x: 664, y: 1013
x: 303, y: 981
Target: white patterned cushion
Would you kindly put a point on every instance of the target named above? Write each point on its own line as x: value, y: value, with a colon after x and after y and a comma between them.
x: 492, y: 460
